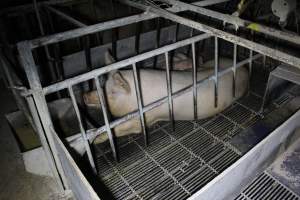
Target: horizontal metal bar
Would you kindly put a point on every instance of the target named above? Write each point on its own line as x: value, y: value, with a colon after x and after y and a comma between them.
x: 271, y: 52
x: 288, y: 36
x: 65, y: 16
x: 107, y: 25
x: 93, y: 133
x: 97, y: 72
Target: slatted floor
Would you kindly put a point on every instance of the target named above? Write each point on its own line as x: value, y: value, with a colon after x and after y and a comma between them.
x: 178, y: 163
x: 267, y: 188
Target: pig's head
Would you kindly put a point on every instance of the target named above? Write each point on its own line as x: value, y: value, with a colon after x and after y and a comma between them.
x: 116, y: 87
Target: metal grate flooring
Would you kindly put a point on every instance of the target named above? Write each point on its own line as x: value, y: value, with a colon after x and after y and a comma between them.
x: 267, y: 188
x: 177, y: 163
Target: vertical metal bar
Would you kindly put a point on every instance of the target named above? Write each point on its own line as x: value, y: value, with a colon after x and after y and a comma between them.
x: 105, y: 115
x: 266, y: 94
x: 234, y: 69
x: 157, y: 41
x: 114, y: 31
x: 42, y: 31
x: 169, y: 88
x: 140, y: 104
x: 137, y: 37
x: 216, y: 78
x: 194, y: 81
x: 83, y: 133
x: 250, y: 67
x: 27, y: 61
x: 43, y: 139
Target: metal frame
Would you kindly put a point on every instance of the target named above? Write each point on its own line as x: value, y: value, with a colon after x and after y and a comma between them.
x: 38, y: 92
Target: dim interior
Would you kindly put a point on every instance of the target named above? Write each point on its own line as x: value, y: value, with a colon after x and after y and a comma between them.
x: 167, y: 158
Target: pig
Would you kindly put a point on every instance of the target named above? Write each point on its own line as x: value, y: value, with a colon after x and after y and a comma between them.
x: 121, y: 95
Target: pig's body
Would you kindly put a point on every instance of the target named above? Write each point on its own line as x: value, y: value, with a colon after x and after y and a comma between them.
x: 122, y: 99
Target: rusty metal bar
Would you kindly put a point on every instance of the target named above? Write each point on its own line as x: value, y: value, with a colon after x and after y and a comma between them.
x: 140, y: 104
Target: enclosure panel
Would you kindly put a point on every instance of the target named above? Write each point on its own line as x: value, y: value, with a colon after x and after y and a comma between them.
x: 77, y: 182
x: 244, y: 169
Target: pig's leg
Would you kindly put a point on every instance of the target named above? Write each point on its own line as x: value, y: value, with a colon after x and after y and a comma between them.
x: 130, y: 127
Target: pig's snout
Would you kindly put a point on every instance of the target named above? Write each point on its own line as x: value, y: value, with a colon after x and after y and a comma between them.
x: 91, y: 99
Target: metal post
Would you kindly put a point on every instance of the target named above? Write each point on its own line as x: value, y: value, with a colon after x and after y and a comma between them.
x: 216, y: 78
x: 39, y: 130
x: 105, y: 115
x: 157, y: 40
x: 140, y: 104
x: 250, y: 67
x: 27, y: 61
x: 83, y: 133
x: 169, y: 88
x: 234, y: 70
x: 137, y: 37
x: 194, y: 81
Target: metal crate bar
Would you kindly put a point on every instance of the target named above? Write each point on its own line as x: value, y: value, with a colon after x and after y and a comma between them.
x: 83, y: 132
x: 92, y: 133
x: 194, y: 81
x: 238, y: 22
x: 216, y: 78
x: 59, y: 37
x: 234, y: 69
x: 140, y: 104
x: 123, y: 63
x: 273, y: 53
x: 169, y: 89
x: 105, y: 115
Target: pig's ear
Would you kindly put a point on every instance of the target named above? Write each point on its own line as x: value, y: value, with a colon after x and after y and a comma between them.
x: 108, y: 58
x: 120, y: 81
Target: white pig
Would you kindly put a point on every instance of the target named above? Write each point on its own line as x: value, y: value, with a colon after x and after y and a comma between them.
x: 121, y: 95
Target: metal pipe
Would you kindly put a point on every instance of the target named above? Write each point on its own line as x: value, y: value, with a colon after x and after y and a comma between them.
x: 169, y: 89
x: 273, y: 53
x: 83, y: 133
x: 140, y: 105
x: 93, y: 133
x: 234, y: 69
x: 216, y: 79
x: 194, y: 82
x: 109, y: 25
x: 105, y: 115
x: 117, y: 65
x: 288, y: 36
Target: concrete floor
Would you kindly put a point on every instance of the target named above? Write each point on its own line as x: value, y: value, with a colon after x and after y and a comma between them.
x: 15, y: 182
